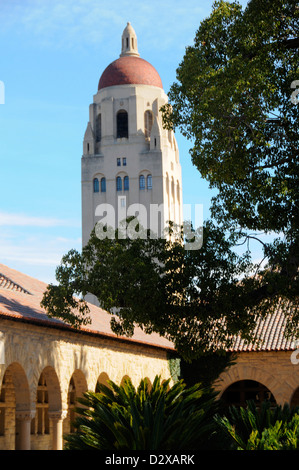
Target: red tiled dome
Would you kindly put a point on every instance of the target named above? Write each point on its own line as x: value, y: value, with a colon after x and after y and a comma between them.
x: 130, y: 70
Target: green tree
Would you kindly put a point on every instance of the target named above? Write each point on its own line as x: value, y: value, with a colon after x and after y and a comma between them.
x: 157, y: 417
x: 192, y: 297
x: 234, y: 99
x: 206, y: 368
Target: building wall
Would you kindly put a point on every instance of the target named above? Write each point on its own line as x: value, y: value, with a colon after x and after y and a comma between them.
x: 62, y: 358
x: 274, y: 369
x: 60, y: 365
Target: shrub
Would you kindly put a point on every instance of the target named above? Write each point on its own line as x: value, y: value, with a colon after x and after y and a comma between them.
x: 267, y: 428
x: 157, y: 417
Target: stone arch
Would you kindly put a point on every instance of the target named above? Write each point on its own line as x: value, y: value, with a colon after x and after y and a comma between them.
x: 7, y: 411
x: 21, y: 386
x: 98, y: 182
x: 103, y: 379
x: 149, y: 383
x: 17, y: 410
x: 77, y: 387
x: 48, y: 409
x: 123, y: 380
x: 79, y: 382
x: 239, y: 372
x: 238, y: 393
x: 53, y: 388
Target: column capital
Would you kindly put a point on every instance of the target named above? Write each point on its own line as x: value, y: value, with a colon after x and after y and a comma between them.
x: 25, y: 415
x: 58, y: 415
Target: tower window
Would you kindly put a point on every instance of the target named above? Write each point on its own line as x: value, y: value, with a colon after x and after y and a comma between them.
x: 141, y: 182
x: 124, y: 161
x: 99, y: 128
x: 122, y: 124
x: 96, y: 187
x: 103, y: 185
x: 126, y: 183
x: 118, y: 162
x: 149, y: 182
x: 148, y: 123
x: 118, y: 184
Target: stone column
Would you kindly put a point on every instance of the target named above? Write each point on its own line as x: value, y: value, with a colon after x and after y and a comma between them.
x: 24, y: 419
x: 57, y: 418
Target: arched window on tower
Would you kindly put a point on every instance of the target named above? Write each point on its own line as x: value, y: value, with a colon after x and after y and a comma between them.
x: 141, y: 182
x: 126, y: 183
x: 99, y: 128
x: 103, y: 185
x: 118, y: 184
x: 122, y: 124
x: 96, y: 186
x: 149, y: 182
x: 148, y: 123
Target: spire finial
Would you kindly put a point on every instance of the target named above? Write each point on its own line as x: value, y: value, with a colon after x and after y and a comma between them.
x: 129, y: 42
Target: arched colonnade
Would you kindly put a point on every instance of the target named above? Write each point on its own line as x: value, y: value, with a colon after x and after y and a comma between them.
x: 36, y: 415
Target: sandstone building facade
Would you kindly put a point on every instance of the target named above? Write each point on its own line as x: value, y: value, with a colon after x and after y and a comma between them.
x: 45, y: 365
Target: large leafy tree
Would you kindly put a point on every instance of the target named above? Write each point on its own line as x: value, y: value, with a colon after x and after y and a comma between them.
x: 199, y: 299
x: 235, y: 98
x: 158, y: 285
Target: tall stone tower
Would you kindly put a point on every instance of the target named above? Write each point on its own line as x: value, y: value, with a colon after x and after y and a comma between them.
x: 130, y: 164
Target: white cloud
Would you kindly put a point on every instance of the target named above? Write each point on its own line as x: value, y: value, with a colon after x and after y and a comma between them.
x: 35, y: 245
x: 12, y: 220
x: 40, y: 248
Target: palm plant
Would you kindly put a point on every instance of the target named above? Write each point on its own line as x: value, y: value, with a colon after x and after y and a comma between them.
x: 157, y: 417
x: 263, y: 428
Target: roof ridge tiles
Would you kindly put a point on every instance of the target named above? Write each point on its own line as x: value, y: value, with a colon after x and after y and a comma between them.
x: 9, y: 284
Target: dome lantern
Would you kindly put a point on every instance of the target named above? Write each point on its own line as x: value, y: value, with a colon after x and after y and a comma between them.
x: 129, y: 42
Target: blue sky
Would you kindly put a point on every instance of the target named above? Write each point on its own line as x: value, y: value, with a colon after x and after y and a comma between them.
x: 52, y: 54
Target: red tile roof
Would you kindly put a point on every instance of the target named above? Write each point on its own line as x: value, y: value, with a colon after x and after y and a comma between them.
x: 20, y: 297
x: 270, y: 332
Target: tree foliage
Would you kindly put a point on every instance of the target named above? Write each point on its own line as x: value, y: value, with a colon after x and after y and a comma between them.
x: 266, y: 428
x: 192, y: 297
x: 234, y: 99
